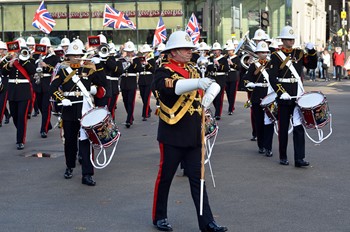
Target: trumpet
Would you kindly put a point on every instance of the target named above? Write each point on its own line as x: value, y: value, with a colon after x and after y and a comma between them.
x: 8, y: 57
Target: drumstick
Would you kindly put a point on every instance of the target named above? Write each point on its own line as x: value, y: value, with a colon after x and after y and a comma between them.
x: 74, y: 102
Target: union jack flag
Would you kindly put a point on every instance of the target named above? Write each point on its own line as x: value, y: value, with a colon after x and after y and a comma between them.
x: 116, y: 19
x: 43, y: 19
x: 192, y: 29
x: 159, y: 33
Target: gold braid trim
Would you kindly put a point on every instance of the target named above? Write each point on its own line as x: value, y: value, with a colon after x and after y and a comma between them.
x: 172, y: 115
x: 68, y: 77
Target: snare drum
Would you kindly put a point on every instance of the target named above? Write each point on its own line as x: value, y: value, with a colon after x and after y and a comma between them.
x: 100, y: 127
x: 270, y: 106
x: 314, y: 108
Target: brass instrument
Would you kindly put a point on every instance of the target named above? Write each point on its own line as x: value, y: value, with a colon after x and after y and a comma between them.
x: 103, y: 50
x: 39, y: 71
x: 24, y: 54
x: 246, y: 48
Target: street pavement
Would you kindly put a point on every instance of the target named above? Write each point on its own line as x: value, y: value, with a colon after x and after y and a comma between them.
x: 253, y: 193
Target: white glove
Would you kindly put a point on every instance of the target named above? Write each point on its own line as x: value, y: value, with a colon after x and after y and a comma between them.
x: 250, y: 85
x: 285, y: 96
x: 210, y: 94
x: 93, y: 90
x: 66, y: 102
x: 187, y: 85
x: 204, y: 83
x: 95, y: 60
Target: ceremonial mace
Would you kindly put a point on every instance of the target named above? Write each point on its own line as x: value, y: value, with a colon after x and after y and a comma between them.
x: 202, y: 63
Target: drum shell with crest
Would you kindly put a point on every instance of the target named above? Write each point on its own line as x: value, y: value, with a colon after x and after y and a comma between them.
x: 270, y: 106
x: 99, y: 127
x: 314, y: 109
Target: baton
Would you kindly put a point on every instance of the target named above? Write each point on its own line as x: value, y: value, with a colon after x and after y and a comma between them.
x: 75, y: 102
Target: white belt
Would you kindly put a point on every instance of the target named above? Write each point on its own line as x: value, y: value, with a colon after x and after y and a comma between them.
x: 262, y: 85
x: 287, y: 80
x: 129, y: 74
x: 47, y: 75
x: 76, y: 94
x: 219, y: 73
x: 18, y: 81
x: 112, y: 78
x: 146, y: 73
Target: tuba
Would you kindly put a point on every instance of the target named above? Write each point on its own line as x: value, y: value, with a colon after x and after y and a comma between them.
x: 24, y: 54
x: 246, y: 49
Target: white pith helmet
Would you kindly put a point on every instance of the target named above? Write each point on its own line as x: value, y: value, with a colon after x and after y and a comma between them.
x: 203, y: 46
x: 74, y: 49
x: 274, y: 44
x: 287, y: 33
x: 3, y: 45
x: 216, y: 46
x: 262, y: 47
x: 45, y: 41
x: 129, y: 46
x: 160, y: 47
x: 179, y: 39
x: 259, y: 34
x: 30, y: 41
x: 111, y: 47
x: 79, y: 42
x: 103, y: 38
x: 22, y: 42
x: 145, y: 48
x: 230, y: 46
x: 309, y: 46
x: 65, y: 41
x: 235, y: 42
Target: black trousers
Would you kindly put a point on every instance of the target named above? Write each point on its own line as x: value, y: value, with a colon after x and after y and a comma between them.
x: 284, y: 114
x: 218, y: 101
x: 231, y: 92
x: 145, y: 93
x: 170, y: 158
x: 19, y: 111
x: 112, y: 104
x: 264, y: 132
x: 43, y: 100
x: 129, y: 96
x: 71, y: 134
x: 3, y: 107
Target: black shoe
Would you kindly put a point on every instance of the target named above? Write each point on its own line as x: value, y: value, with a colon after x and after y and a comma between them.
x: 284, y: 162
x: 29, y: 116
x: 20, y: 146
x: 144, y: 119
x: 68, y: 173
x: 43, y: 135
x: 253, y: 138
x: 163, y: 225
x: 213, y: 227
x: 87, y: 179
x: 127, y: 125
x: 217, y: 117
x: 230, y: 113
x: 301, y: 163
x: 268, y: 153
x: 262, y: 150
x: 7, y: 120
x: 35, y: 113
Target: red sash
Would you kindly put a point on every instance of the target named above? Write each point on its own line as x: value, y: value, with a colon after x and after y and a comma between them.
x: 24, y: 73
x: 178, y: 69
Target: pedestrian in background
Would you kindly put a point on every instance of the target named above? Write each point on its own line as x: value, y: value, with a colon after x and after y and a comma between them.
x: 326, y: 64
x: 339, y: 59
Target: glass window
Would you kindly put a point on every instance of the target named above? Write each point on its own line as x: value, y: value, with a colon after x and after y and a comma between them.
x: 79, y: 15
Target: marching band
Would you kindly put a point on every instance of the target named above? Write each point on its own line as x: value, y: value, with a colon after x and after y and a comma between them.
x: 38, y: 74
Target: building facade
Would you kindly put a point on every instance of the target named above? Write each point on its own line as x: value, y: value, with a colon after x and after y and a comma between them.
x: 220, y: 20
